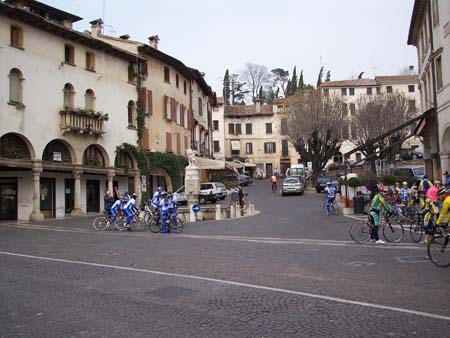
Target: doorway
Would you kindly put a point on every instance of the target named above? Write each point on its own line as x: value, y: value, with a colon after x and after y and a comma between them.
x: 269, y: 169
x: 92, y: 195
x: 8, y: 199
x: 47, y: 197
x: 69, y: 194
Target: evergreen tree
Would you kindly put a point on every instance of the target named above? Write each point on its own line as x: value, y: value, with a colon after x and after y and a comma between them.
x: 226, y: 88
x: 237, y: 90
x: 301, y: 83
x: 319, y: 78
x: 328, y: 77
x: 294, y: 86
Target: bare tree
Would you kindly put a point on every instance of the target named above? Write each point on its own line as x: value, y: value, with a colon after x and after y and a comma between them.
x: 313, y: 126
x: 256, y: 76
x: 377, y: 114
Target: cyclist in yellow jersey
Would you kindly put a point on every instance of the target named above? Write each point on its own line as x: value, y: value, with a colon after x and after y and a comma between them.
x: 444, y: 194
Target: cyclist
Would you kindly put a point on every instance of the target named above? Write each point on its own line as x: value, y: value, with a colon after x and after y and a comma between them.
x: 404, y: 197
x: 433, y: 193
x: 425, y: 184
x: 156, y: 198
x: 331, y: 195
x: 375, y: 213
x: 130, y: 208
x: 164, y: 205
x: 116, y: 207
x: 172, y: 207
x: 444, y: 216
x: 273, y: 180
x: 428, y: 209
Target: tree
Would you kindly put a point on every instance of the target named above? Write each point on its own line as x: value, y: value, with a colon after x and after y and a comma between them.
x: 312, y: 122
x: 237, y: 90
x: 377, y: 114
x: 280, y: 79
x: 226, y: 88
x: 301, y: 83
x: 319, y: 78
x: 255, y: 77
x: 292, y: 86
x: 328, y: 77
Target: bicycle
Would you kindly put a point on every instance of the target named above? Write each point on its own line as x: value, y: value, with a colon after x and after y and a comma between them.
x: 334, y: 207
x: 274, y: 187
x: 438, y: 249
x: 360, y: 231
x: 155, y: 224
x: 137, y: 223
x: 102, y: 223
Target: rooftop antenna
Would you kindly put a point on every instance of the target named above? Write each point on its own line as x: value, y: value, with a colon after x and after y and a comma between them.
x: 103, y: 11
x: 373, y: 69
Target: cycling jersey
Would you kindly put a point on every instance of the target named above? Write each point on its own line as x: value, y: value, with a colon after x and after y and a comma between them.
x: 330, y: 192
x: 445, y: 212
x: 273, y: 179
x: 404, y: 195
x: 155, y: 199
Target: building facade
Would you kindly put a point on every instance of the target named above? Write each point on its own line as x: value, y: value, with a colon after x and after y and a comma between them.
x: 258, y: 134
x: 353, y: 90
x: 218, y: 130
x: 429, y: 32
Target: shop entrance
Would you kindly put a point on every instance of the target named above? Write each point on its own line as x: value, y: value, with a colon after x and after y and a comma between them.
x: 69, y: 193
x: 8, y: 199
x: 92, y: 195
x: 47, y: 197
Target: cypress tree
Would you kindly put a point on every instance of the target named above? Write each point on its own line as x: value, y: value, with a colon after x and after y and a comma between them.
x: 226, y: 88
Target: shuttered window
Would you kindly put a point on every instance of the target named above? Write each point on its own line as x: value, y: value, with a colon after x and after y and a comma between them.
x: 186, y: 143
x: 173, y: 110
x: 200, y: 106
x: 15, y: 93
x: 16, y: 36
x: 168, y: 142
x: 143, y: 98
x: 149, y: 102
x: 166, y: 74
x: 178, y: 144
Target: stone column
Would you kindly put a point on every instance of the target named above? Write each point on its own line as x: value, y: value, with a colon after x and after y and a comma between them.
x: 445, y: 164
x: 77, y: 188
x: 192, y: 183
x: 110, y: 176
x: 137, y: 187
x: 36, y: 214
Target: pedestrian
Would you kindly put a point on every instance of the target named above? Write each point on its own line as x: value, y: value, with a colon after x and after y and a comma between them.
x: 433, y: 194
x: 108, y: 201
x: 447, y: 179
x: 117, y: 193
x: 241, y: 196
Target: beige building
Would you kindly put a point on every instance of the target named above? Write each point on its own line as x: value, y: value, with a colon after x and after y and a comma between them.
x: 257, y: 133
x: 429, y: 31
x: 64, y: 100
x: 352, y: 91
x: 218, y: 130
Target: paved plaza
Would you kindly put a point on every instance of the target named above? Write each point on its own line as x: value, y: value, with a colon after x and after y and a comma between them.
x: 289, y: 271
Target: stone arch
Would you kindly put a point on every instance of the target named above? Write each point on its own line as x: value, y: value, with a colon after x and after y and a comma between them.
x: 167, y: 178
x: 95, y: 156
x: 446, y: 139
x: 16, y: 146
x: 125, y: 160
x: 67, y: 153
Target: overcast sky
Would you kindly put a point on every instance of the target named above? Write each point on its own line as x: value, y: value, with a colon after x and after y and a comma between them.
x: 345, y: 36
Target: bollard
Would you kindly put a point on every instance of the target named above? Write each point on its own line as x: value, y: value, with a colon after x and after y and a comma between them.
x: 232, y: 211
x: 251, y: 209
x: 192, y: 217
x: 218, y: 213
x: 238, y: 212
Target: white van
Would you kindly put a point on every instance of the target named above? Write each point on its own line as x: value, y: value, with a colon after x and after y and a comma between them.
x: 296, y: 170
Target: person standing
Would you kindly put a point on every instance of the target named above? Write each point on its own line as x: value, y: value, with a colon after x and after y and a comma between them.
x: 241, y: 196
x: 108, y: 202
x: 447, y: 179
x: 377, y: 203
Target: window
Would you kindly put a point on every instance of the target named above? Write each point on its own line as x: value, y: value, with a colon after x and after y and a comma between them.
x: 344, y: 109
x: 326, y: 92
x: 353, y: 130
x: 284, y: 126
x: 248, y: 128
x: 90, y: 61
x: 15, y: 87
x: 378, y: 90
x: 351, y: 91
x: 200, y: 106
x: 358, y: 157
x: 284, y: 148
x: 166, y: 74
x: 238, y: 129
x: 268, y: 128
x: 216, y: 124
x: 185, y: 87
x: 269, y: 147
x: 344, y: 91
x: 69, y: 95
x: 435, y: 13
x: 412, y: 106
x: 216, y: 146
x: 168, y: 107
x: 439, y: 82
x: 131, y: 114
x: 389, y: 89
x: 369, y: 90
x: 177, y: 81
x: 345, y: 134
x: 352, y: 109
x: 185, y: 120
x: 235, y: 147
x: 168, y: 142
x: 89, y: 100
x: 69, y: 54
x: 16, y: 36
x: 231, y: 128
x: 411, y: 88
x: 249, y: 148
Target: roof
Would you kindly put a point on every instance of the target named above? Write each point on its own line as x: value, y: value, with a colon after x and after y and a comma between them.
x: 397, y: 79
x: 201, y: 81
x: 350, y: 83
x: 51, y: 27
x: 379, y: 80
x: 239, y: 110
x: 416, y: 18
x: 40, y: 8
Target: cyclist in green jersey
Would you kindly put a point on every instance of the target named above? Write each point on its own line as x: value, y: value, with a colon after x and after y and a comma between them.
x: 375, y: 209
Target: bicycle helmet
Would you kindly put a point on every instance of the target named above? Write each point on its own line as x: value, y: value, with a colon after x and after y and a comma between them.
x: 134, y: 195
x: 384, y: 190
x: 405, y: 183
x: 444, y: 190
x: 159, y: 188
x: 329, y: 184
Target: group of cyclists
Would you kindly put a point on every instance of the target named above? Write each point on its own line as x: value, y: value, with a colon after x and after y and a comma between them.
x: 164, y: 204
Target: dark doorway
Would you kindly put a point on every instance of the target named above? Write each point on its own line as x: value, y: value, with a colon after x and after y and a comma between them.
x: 8, y: 199
x: 47, y: 197
x: 92, y: 195
x: 69, y: 193
x: 269, y: 169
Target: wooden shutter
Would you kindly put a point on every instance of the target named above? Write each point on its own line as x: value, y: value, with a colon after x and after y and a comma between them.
x: 200, y: 107
x: 173, y: 110
x: 165, y: 105
x: 190, y: 119
x: 182, y: 115
x: 168, y: 142
x: 143, y: 99
x: 178, y: 144
x: 149, y: 102
x: 145, y: 139
x: 186, y: 143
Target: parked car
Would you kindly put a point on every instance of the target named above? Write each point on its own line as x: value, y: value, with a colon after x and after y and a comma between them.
x: 322, y: 181
x: 181, y: 196
x: 222, y: 190
x: 242, y: 180
x: 407, y: 154
x: 293, y: 185
x: 245, y: 179
x: 209, y: 192
x: 409, y: 173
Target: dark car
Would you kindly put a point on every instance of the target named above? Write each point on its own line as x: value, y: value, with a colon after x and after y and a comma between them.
x: 322, y: 182
x: 238, y: 179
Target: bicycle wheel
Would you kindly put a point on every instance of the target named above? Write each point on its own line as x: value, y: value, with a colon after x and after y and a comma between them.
x: 393, y: 232
x: 416, y: 231
x: 182, y: 217
x: 145, y: 216
x: 336, y: 209
x: 100, y: 223
x: 439, y: 251
x: 137, y: 224
x: 155, y: 225
x: 179, y: 227
x: 360, y: 231
x: 324, y: 207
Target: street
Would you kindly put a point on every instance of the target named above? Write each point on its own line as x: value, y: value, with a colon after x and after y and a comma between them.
x: 289, y: 271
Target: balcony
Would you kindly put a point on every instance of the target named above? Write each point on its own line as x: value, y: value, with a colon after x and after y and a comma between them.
x: 82, y: 121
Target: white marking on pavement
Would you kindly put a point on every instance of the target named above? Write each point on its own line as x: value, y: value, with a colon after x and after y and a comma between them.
x: 251, y: 286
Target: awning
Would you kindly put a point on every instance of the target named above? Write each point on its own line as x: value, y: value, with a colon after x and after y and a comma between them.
x: 249, y: 165
x: 209, y: 164
x: 235, y: 145
x: 424, y: 123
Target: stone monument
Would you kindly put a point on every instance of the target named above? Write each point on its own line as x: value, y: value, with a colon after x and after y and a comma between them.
x: 192, y: 181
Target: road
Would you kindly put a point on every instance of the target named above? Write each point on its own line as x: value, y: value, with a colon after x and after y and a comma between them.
x: 289, y: 271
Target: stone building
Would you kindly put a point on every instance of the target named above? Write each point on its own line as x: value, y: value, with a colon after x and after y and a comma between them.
x: 429, y: 32
x: 218, y: 130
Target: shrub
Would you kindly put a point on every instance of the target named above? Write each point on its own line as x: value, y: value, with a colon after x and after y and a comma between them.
x: 342, y: 181
x: 389, y: 179
x: 354, y: 182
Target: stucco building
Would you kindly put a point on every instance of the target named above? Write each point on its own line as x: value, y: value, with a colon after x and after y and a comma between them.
x: 218, y: 130
x: 429, y: 31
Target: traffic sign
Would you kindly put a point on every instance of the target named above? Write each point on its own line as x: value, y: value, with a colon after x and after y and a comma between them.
x: 195, y: 208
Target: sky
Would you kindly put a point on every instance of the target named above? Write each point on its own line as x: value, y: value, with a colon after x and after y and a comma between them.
x: 345, y: 36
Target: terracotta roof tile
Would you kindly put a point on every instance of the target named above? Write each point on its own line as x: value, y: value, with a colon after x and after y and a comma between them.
x: 397, y: 79
x: 350, y: 83
x: 239, y: 110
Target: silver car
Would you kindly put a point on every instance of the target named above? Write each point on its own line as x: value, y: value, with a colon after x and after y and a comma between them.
x: 293, y: 185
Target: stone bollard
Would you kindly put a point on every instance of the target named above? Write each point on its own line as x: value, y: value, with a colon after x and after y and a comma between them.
x: 218, y: 212
x: 251, y: 209
x: 238, y: 212
x: 232, y: 211
x: 192, y: 217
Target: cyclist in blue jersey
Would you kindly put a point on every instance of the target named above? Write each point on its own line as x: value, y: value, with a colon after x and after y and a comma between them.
x: 330, y: 192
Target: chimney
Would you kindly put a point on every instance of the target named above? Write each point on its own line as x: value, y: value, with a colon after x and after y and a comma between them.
x: 258, y: 105
x: 411, y: 70
x: 125, y: 37
x: 96, y: 27
x: 154, y: 39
